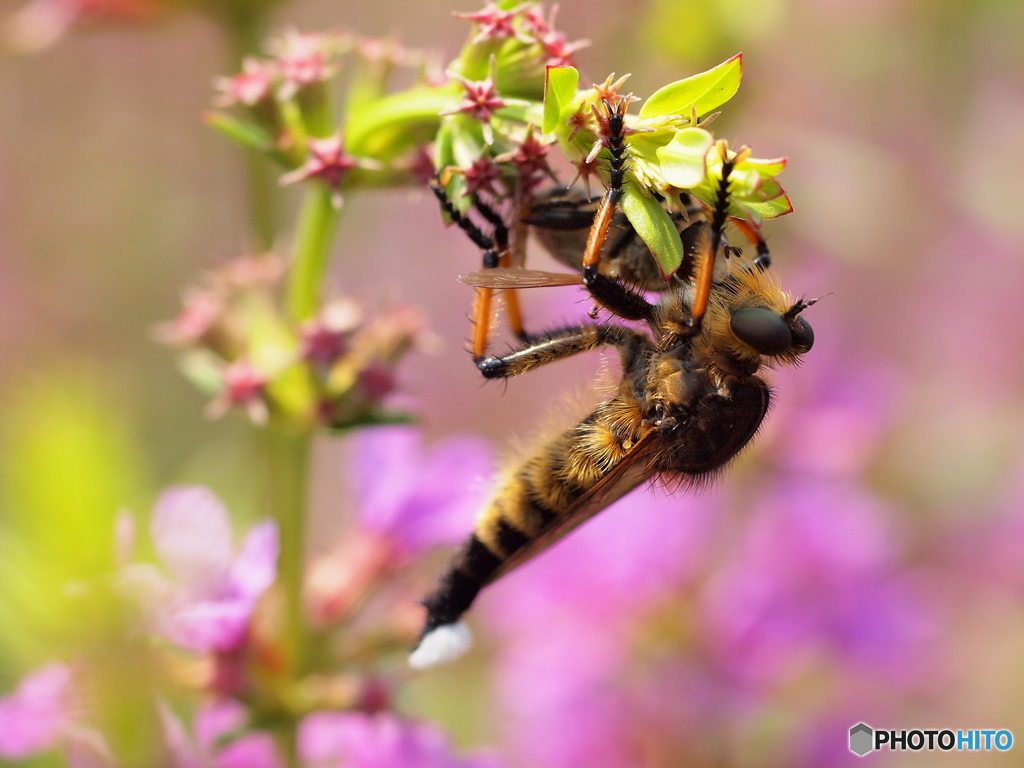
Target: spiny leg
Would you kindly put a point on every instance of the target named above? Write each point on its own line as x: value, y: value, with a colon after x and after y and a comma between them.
x: 494, y: 219
x: 495, y: 254
x: 706, y: 266
x: 512, y: 308
x: 611, y: 294
x: 486, y: 244
x: 563, y: 343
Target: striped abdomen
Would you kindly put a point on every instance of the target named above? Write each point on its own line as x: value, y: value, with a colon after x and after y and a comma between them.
x: 533, y: 503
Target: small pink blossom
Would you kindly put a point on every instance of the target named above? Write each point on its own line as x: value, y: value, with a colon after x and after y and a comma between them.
x: 208, y: 602
x: 249, y: 87
x: 243, y: 386
x: 608, y: 90
x: 481, y: 98
x: 481, y: 175
x: 328, y: 161
x: 41, y: 23
x: 421, y: 165
x: 249, y: 271
x: 530, y: 159
x: 577, y: 121
x: 375, y: 381
x: 559, y: 51
x: 493, y: 23
x: 585, y: 169
x: 201, y: 309
x: 382, y: 49
x: 327, y: 337
x: 303, y: 59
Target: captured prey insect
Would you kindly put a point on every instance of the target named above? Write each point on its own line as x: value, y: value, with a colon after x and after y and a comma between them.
x: 689, y: 399
x: 561, y: 219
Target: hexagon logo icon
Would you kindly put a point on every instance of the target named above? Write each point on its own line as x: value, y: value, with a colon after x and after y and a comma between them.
x: 861, y: 739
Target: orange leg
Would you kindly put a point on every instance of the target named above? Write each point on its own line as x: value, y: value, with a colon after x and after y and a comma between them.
x: 599, y: 232
x: 481, y: 319
x: 751, y: 233
x: 512, y: 308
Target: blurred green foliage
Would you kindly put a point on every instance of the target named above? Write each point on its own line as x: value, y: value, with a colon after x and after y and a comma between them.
x: 69, y: 460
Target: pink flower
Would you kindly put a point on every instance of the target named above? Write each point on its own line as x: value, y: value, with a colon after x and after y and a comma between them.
x: 303, y: 59
x: 329, y: 162
x: 559, y: 51
x: 328, y: 336
x: 567, y: 622
x: 207, y: 604
x: 201, y: 311
x: 249, y: 87
x: 530, y: 159
x: 493, y: 23
x: 481, y: 175
x: 481, y: 99
x: 418, y: 498
x: 242, y: 386
x: 407, y: 499
x: 33, y: 718
x: 218, y: 740
x: 358, y: 740
x: 45, y: 712
x: 632, y: 554
x: 41, y: 23
x: 816, y: 572
x: 326, y: 740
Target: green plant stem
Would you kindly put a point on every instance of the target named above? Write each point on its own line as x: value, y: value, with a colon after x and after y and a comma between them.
x: 245, y: 25
x: 263, y: 200
x: 317, y: 224
x: 288, y: 454
x: 289, y: 470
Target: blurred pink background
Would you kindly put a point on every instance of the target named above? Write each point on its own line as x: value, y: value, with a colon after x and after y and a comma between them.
x: 901, y: 121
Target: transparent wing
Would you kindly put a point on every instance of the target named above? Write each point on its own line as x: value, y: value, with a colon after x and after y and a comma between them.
x: 515, y: 277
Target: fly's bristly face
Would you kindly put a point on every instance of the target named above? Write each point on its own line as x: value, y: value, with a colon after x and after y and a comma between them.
x: 750, y: 321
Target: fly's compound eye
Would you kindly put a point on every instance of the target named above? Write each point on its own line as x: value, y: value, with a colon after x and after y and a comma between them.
x: 764, y: 330
x: 803, y: 335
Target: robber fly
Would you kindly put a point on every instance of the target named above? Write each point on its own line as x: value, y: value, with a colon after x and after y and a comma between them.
x: 688, y: 402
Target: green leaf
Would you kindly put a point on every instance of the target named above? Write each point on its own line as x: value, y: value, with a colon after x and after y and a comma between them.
x: 772, y: 209
x: 245, y: 133
x: 204, y: 369
x: 682, y: 159
x: 656, y: 229
x: 394, y: 124
x: 702, y: 93
x: 772, y: 167
x: 559, y: 91
x: 444, y: 145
